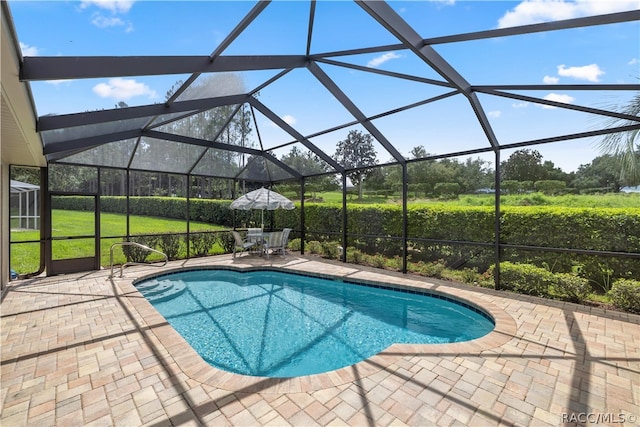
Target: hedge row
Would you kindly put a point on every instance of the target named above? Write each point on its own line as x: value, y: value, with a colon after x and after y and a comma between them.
x: 604, y: 229
x: 202, y: 210
x: 531, y: 280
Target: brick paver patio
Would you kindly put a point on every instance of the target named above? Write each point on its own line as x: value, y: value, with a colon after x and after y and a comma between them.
x: 85, y: 349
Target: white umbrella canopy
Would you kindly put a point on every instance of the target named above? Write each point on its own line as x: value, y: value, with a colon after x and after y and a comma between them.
x: 262, y: 199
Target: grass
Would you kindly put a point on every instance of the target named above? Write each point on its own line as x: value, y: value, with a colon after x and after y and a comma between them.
x: 613, y: 200
x: 25, y: 257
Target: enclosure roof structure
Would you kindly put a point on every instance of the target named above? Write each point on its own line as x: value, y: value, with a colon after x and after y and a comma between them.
x: 22, y: 187
x: 267, y: 109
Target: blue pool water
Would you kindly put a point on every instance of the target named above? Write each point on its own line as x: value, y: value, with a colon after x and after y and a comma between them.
x: 275, y: 324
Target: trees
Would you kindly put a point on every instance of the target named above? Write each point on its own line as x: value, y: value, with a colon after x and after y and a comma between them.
x: 550, y: 186
x: 474, y: 174
x: 602, y: 173
x: 470, y: 175
x: 625, y: 146
x: 307, y: 163
x: 523, y: 165
x: 357, y: 154
x: 26, y: 174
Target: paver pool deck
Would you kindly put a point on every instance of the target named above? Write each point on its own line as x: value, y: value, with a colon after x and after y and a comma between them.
x: 87, y: 349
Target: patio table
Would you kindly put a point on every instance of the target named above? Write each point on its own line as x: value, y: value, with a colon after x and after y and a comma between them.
x: 256, y: 235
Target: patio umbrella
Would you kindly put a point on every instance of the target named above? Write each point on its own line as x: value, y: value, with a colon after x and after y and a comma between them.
x: 262, y: 199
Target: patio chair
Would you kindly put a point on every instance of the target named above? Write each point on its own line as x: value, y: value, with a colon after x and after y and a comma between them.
x: 276, y: 242
x: 240, y: 244
x: 254, y: 232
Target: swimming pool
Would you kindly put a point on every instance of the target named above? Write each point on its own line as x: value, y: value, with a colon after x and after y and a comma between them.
x: 275, y: 324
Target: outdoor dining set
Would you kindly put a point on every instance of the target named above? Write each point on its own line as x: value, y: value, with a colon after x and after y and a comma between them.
x: 261, y: 242
x: 256, y: 239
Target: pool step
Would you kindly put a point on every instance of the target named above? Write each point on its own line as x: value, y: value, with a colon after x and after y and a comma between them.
x: 156, y: 291
x: 147, y: 285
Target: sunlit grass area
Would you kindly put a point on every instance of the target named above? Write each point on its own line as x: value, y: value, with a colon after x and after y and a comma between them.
x: 612, y: 200
x: 25, y: 257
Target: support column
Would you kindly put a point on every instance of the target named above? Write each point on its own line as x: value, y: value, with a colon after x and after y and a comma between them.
x: 5, y: 222
x: 405, y: 222
x: 302, y: 226
x: 344, y: 217
x: 496, y: 270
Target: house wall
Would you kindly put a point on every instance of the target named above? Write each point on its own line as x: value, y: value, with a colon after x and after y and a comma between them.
x: 19, y: 142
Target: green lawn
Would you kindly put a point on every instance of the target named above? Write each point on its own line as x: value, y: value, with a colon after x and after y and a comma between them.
x: 612, y: 200
x: 25, y: 257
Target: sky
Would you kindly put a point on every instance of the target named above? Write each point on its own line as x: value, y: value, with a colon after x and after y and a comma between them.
x: 596, y: 55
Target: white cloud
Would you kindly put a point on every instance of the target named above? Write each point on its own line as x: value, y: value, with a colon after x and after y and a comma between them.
x: 535, y: 11
x: 28, y: 50
x: 122, y: 89
x: 633, y: 61
x: 557, y: 97
x: 549, y: 80
x: 590, y: 73
x: 494, y: 114
x: 520, y: 105
x: 376, y: 62
x: 290, y: 120
x: 114, y: 6
x: 102, y: 21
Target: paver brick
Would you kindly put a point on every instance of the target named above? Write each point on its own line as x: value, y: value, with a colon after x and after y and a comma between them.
x: 98, y: 360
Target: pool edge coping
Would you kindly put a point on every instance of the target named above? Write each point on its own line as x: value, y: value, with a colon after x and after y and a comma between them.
x: 193, y: 366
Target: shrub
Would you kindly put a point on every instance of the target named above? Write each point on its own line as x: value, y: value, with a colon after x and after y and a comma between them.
x: 227, y: 241
x: 447, y: 189
x: 434, y: 269
x: 136, y: 254
x: 598, y: 272
x: 525, y: 279
x: 394, y: 263
x: 571, y: 287
x: 378, y: 260
x: 469, y: 276
x: 294, y: 244
x: 315, y: 247
x: 170, y: 244
x: 330, y: 250
x: 412, y: 267
x: 625, y: 295
x: 429, y: 269
x: 201, y: 243
x: 550, y: 186
x: 354, y: 256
